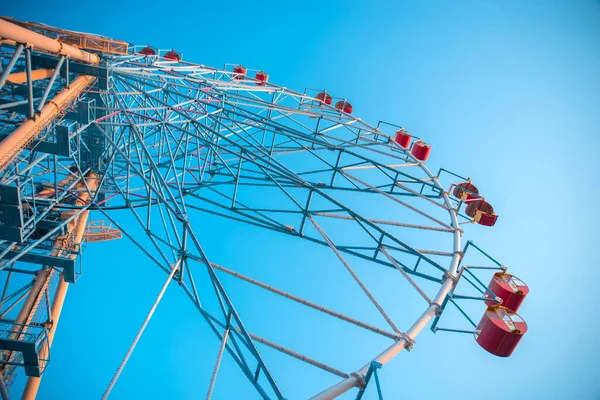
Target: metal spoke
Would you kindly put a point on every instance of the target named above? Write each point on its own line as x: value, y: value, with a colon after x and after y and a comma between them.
x: 356, y: 278
x: 174, y: 269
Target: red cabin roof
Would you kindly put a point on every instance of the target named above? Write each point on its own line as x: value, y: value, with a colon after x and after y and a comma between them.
x: 324, y: 97
x: 261, y: 77
x: 500, y: 331
x: 403, y: 138
x: 240, y: 70
x: 466, y: 191
x: 510, y: 289
x: 148, y: 51
x: 420, y: 150
x: 172, y: 55
x: 482, y: 212
x: 478, y: 205
x: 344, y: 106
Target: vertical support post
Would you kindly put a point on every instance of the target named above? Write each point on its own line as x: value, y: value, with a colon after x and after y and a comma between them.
x: 29, y: 82
x: 68, y: 82
x: 11, y: 64
x: 237, y: 180
x: 5, y: 289
x: 50, y: 84
x: 372, y: 371
x: 379, y: 394
x: 306, y: 208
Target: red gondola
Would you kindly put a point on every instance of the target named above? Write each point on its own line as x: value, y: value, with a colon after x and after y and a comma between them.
x: 509, y: 288
x: 403, y: 138
x: 148, y: 51
x: 421, y: 150
x: 262, y: 77
x: 500, y: 331
x: 466, y: 191
x: 344, y: 106
x: 324, y: 97
x: 240, y: 72
x: 172, y: 55
x: 482, y: 212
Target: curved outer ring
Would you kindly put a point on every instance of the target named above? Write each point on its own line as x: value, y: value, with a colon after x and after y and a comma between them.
x: 355, y: 380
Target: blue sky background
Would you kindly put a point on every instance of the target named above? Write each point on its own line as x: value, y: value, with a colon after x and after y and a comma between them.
x: 507, y: 92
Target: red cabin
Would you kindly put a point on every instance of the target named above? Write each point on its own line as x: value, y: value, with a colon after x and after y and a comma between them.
x: 172, y: 55
x: 466, y: 191
x: 482, y: 212
x: 240, y: 72
x: 344, y: 106
x: 324, y: 97
x: 500, y: 331
x: 510, y: 289
x: 421, y: 150
x: 148, y: 51
x: 403, y: 138
x: 261, y: 77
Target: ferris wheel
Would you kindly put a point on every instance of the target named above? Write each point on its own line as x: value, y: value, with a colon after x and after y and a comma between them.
x: 145, y: 141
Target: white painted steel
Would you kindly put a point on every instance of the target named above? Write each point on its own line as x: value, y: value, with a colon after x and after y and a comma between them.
x: 389, y: 353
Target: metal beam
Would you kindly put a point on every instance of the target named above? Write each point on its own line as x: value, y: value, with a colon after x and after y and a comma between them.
x: 29, y: 130
x: 19, y: 34
x: 36, y: 75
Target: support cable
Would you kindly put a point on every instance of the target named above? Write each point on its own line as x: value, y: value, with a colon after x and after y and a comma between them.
x: 211, y: 387
x: 398, y: 200
x: 306, y: 302
x: 356, y: 278
x: 403, y: 272
x: 140, y: 332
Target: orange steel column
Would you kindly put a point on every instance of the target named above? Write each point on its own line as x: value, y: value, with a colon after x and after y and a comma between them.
x: 76, y: 230
x: 36, y: 75
x: 48, y: 191
x: 31, y: 303
x: 30, y: 129
x: 19, y: 34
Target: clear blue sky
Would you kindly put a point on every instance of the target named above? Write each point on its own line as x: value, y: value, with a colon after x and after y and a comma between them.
x: 507, y: 92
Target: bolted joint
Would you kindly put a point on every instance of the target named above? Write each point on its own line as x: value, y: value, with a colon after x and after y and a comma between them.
x: 181, y: 218
x: 360, y: 379
x: 177, y: 276
x: 183, y: 254
x: 438, y: 309
x: 449, y: 275
x: 409, y: 341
